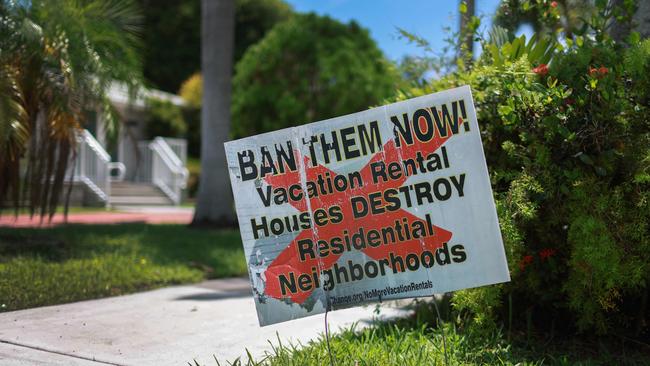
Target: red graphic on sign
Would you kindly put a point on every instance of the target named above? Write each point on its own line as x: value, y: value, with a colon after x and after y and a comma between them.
x: 289, y: 261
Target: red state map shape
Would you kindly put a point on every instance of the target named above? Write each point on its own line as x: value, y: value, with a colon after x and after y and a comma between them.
x: 288, y: 260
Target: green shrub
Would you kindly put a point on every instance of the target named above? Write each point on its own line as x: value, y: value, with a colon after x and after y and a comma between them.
x: 192, y: 117
x: 307, y: 69
x: 568, y: 149
x: 192, y: 91
x: 165, y: 119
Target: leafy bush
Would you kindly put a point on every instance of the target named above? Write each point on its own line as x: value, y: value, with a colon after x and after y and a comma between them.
x: 568, y: 148
x: 58, y: 60
x: 307, y: 69
x: 164, y: 118
x: 192, y: 90
x: 192, y: 93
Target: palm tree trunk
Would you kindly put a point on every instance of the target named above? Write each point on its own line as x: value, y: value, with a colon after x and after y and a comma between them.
x: 214, y: 201
x: 467, y: 37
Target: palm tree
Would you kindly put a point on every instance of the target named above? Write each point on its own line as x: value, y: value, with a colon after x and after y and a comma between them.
x: 214, y: 201
x: 57, y: 58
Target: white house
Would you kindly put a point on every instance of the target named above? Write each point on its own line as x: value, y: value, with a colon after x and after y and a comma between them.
x: 136, y: 171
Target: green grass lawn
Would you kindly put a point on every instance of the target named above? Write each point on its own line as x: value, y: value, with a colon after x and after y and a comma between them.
x: 408, y: 344
x: 77, y: 262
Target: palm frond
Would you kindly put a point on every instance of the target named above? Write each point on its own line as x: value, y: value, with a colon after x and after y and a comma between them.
x: 57, y: 59
x: 14, y: 133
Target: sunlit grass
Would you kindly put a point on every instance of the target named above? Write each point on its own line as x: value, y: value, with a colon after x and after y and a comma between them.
x: 78, y: 262
x: 408, y: 344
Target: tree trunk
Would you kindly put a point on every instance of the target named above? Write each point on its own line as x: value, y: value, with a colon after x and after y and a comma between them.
x: 619, y: 30
x: 467, y: 37
x: 642, y: 18
x: 214, y: 201
x: 640, y: 21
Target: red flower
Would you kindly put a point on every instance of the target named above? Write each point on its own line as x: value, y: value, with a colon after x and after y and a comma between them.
x: 541, y: 70
x: 553, y: 4
x: 598, y: 72
x: 528, y: 259
x: 547, y: 253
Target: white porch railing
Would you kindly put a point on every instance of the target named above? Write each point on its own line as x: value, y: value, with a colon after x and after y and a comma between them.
x: 179, y: 146
x: 144, y: 162
x: 160, y: 162
x: 92, y: 166
x: 168, y: 171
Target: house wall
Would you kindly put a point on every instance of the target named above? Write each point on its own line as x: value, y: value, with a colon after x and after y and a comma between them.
x: 130, y: 146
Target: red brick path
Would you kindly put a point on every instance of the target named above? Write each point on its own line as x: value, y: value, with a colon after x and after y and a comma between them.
x: 172, y: 217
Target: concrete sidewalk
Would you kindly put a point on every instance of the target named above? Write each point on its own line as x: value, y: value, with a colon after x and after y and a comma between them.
x: 169, y: 326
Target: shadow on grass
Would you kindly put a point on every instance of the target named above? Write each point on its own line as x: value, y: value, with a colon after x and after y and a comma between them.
x: 217, y: 253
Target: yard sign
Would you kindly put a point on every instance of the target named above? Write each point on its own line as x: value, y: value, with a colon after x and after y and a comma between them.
x: 393, y: 202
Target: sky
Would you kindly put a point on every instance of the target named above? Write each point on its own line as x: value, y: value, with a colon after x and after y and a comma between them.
x: 425, y: 18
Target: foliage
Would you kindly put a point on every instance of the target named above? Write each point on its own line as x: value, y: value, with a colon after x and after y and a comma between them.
x: 192, y: 90
x: 194, y: 168
x: 414, y: 70
x: 314, y: 68
x: 171, y: 40
x: 57, y: 59
x: 164, y: 118
x: 254, y: 18
x: 508, y: 49
x: 192, y: 117
x: 70, y: 263
x: 568, y: 146
x: 172, y: 35
x: 544, y: 16
x: 563, y: 18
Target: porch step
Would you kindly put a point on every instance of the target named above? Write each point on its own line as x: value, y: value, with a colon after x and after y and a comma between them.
x: 134, y: 189
x: 140, y: 201
x: 137, y: 194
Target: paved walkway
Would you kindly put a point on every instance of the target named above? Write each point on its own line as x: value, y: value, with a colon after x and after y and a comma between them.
x: 169, y: 326
x: 151, y: 215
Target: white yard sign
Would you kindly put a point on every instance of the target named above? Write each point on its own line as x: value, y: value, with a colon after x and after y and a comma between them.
x: 393, y: 202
